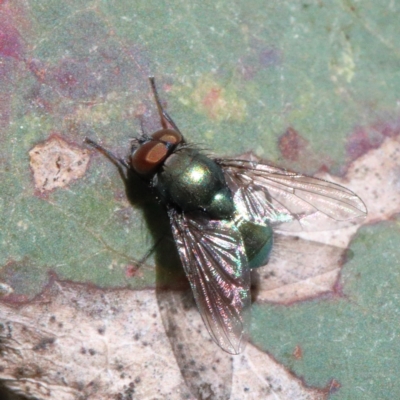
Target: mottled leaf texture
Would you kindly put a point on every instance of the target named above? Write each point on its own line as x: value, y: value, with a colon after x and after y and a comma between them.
x: 214, y: 259
x: 297, y: 270
x: 290, y: 201
x: 205, y: 367
x: 310, y: 85
x: 116, y: 348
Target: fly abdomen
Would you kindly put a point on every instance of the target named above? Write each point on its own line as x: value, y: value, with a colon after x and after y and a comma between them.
x: 257, y: 240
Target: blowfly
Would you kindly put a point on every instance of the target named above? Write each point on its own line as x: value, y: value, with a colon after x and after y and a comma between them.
x: 223, y: 213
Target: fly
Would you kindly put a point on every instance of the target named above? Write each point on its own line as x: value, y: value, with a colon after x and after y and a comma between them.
x: 223, y: 213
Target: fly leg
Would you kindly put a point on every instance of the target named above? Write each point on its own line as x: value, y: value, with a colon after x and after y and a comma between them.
x: 150, y: 252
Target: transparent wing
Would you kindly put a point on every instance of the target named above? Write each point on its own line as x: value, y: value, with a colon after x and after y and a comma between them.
x: 215, y: 263
x: 290, y: 201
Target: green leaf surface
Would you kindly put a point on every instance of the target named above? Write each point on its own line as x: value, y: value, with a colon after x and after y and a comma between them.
x: 308, y: 85
x: 352, y: 338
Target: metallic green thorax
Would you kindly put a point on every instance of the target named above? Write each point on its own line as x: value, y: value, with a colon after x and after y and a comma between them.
x: 194, y: 182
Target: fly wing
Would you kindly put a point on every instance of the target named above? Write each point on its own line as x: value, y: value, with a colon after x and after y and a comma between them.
x: 215, y: 262
x: 289, y: 201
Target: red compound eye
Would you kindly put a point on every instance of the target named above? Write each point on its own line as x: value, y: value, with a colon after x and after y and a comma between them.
x: 150, y: 155
x: 168, y: 136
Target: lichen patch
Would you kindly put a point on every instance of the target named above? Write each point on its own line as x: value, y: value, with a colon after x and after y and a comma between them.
x: 55, y: 163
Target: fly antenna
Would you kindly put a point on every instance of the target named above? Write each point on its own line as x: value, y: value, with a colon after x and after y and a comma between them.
x: 121, y: 164
x: 163, y: 114
x: 158, y: 102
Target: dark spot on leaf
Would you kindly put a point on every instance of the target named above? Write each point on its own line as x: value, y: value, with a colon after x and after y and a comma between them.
x: 366, y: 138
x: 28, y: 372
x: 101, y: 330
x: 258, y: 57
x: 10, y: 43
x: 270, y: 57
x: 347, y: 256
x: 211, y: 99
x: 119, y: 367
x: 362, y: 140
x: 291, y: 144
x: 44, y: 344
x: 334, y: 386
x: 128, y: 392
x: 131, y: 270
x: 298, y: 353
x: 269, y: 274
x: 24, y: 277
x: 206, y: 392
x: 9, y: 330
x: 78, y: 385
